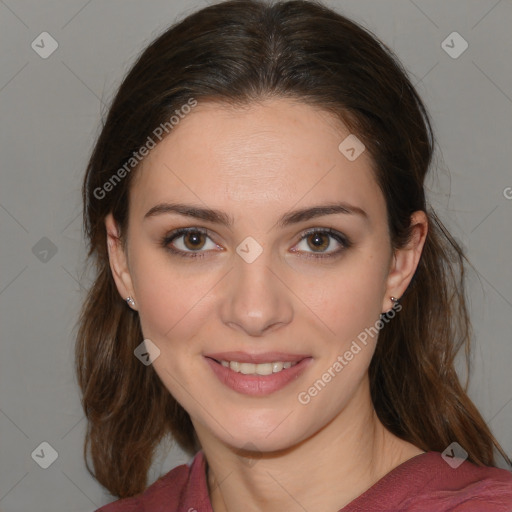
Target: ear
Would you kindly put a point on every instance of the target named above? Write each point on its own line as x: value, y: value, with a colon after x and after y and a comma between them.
x: 118, y: 260
x: 405, y: 261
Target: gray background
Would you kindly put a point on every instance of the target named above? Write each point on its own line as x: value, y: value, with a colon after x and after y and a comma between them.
x: 50, y: 112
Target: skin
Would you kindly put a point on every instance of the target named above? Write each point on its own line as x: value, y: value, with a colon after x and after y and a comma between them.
x: 257, y: 164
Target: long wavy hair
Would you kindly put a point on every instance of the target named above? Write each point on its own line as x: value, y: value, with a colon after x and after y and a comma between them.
x: 238, y: 52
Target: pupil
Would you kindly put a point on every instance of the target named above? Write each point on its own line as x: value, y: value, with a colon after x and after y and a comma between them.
x: 317, y: 240
x: 195, y: 238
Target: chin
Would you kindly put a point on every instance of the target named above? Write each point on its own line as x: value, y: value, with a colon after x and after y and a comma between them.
x: 263, y: 431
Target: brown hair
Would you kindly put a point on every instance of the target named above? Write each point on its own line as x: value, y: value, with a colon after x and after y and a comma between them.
x: 238, y: 52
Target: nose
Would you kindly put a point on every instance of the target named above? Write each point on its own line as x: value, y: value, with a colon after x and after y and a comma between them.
x: 256, y: 298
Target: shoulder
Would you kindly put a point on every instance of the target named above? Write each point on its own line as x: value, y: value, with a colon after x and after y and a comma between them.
x: 184, y: 486
x: 467, y: 478
x: 428, y: 482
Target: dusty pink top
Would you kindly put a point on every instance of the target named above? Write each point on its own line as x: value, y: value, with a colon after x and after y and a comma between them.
x: 424, y: 483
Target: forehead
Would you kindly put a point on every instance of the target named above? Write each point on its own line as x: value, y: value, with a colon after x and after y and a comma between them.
x: 268, y: 155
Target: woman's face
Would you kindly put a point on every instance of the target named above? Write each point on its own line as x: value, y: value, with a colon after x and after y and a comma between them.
x: 262, y: 280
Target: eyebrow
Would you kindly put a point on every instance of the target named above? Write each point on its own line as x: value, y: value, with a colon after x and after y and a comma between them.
x: 220, y: 217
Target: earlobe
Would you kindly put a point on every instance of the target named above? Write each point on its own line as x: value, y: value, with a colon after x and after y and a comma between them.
x: 118, y: 260
x: 405, y: 260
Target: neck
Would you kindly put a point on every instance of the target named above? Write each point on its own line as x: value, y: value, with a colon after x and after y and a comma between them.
x: 323, y: 472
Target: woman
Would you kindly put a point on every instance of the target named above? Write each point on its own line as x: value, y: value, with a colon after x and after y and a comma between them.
x: 273, y: 289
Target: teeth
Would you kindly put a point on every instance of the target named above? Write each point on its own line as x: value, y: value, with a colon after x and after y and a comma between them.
x: 277, y: 367
x: 257, y: 369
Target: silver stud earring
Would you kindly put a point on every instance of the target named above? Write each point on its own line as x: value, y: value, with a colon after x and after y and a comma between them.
x: 130, y: 301
x: 395, y: 302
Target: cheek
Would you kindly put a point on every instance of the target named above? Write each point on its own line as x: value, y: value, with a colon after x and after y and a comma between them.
x: 173, y: 313
x: 170, y: 302
x: 350, y: 300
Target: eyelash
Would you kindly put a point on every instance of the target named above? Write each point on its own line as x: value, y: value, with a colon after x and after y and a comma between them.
x: 341, y: 239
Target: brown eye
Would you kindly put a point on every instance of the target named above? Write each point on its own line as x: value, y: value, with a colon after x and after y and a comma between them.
x: 189, y: 242
x: 194, y: 240
x: 318, y: 241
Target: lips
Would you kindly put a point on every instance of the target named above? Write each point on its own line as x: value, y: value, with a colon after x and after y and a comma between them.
x: 257, y: 385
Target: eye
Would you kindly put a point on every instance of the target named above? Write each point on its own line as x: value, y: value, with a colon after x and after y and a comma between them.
x: 188, y: 242
x: 321, y: 239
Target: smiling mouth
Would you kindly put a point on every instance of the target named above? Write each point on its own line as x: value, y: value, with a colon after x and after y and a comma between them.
x: 257, y: 368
